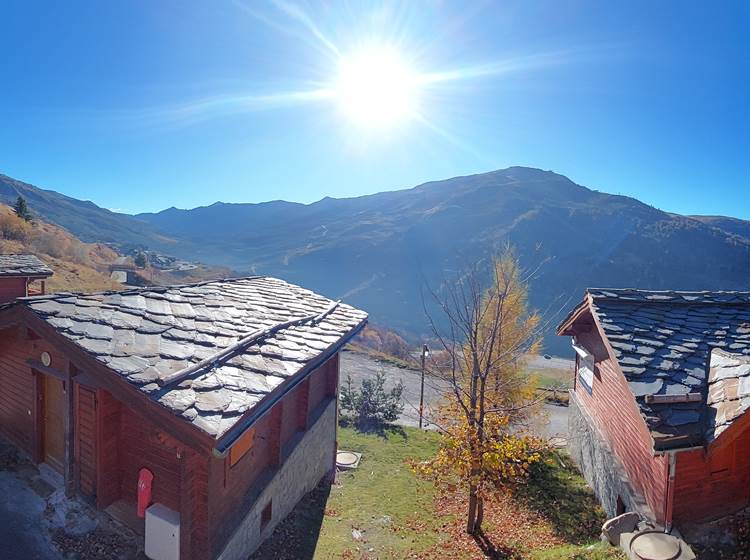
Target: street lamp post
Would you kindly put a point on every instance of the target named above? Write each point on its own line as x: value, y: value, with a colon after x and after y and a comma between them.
x: 425, y: 353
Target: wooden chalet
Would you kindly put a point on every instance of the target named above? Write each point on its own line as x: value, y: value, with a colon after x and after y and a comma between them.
x: 22, y: 275
x: 225, y: 392
x: 660, y: 409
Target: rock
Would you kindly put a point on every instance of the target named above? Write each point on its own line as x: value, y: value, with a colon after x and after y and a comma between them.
x: 625, y: 523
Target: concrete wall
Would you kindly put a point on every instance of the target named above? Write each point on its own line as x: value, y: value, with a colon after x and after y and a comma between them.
x: 311, y: 459
x: 599, y: 465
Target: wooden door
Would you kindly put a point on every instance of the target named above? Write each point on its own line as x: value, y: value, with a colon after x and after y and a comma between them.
x: 86, y: 436
x: 54, y: 423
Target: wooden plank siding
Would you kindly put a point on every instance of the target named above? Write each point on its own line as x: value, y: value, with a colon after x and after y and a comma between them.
x: 108, y: 446
x: 232, y: 489
x: 18, y: 392
x: 143, y: 445
x: 85, y: 434
x: 616, y: 414
x: 12, y: 288
x: 710, y: 485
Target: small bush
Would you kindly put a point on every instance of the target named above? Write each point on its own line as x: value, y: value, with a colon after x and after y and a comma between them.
x: 15, y: 228
x: 371, y: 406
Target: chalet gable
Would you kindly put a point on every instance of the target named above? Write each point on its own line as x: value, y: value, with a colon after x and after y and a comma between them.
x: 212, y: 353
x: 665, y: 343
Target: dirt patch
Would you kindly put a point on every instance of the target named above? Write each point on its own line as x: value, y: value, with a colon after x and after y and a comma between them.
x: 725, y: 539
x: 10, y: 459
x: 99, y: 544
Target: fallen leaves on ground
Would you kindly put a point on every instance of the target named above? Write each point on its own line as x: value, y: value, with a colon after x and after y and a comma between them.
x: 510, y: 528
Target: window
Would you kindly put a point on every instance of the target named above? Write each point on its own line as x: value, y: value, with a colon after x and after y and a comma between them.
x: 241, y: 446
x: 585, y: 367
x: 265, y: 515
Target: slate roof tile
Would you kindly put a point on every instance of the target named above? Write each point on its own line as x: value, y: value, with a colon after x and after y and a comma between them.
x: 665, y: 343
x: 147, y: 334
x: 23, y: 265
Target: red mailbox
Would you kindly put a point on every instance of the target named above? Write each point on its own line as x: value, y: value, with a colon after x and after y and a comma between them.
x: 145, y: 480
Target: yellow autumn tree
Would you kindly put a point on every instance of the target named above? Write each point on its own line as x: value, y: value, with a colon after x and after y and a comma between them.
x: 485, y: 336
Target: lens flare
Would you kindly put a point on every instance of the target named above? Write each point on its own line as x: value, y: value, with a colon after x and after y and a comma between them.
x: 376, y: 88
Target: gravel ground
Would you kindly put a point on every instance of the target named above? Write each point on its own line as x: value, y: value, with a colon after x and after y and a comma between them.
x: 37, y: 522
x: 553, y: 423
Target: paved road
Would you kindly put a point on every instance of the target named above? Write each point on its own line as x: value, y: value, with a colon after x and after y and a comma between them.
x: 540, y: 362
x: 552, y: 424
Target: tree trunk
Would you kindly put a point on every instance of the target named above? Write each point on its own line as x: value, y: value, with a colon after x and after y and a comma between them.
x: 480, y: 515
x: 471, y: 520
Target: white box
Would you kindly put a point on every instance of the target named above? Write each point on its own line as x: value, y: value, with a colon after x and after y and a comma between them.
x: 162, y: 533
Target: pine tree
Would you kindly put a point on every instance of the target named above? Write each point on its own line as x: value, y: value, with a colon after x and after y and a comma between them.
x: 22, y: 209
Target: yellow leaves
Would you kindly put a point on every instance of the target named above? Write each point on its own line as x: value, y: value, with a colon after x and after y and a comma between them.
x: 496, y: 458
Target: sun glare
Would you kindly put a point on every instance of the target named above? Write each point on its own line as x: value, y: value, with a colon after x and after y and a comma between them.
x: 376, y: 88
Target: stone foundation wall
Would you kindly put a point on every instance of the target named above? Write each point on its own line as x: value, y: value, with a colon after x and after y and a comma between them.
x: 310, y: 460
x: 599, y: 465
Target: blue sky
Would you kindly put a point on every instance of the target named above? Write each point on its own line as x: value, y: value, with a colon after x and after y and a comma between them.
x: 143, y: 105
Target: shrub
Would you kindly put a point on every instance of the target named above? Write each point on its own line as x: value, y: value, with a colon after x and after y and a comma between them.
x: 371, y: 406
x: 13, y: 227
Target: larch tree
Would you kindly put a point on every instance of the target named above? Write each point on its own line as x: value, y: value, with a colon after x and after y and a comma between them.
x: 487, y: 336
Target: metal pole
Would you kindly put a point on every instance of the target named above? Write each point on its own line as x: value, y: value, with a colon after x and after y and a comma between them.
x: 421, y: 388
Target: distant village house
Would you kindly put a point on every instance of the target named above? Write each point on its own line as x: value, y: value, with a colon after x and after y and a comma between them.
x: 22, y: 275
x: 659, y: 419
x: 210, y: 409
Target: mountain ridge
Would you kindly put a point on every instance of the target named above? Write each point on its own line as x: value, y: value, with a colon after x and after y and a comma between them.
x: 382, y: 250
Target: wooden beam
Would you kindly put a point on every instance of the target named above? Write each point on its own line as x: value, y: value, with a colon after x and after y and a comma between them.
x: 46, y: 370
x: 670, y: 399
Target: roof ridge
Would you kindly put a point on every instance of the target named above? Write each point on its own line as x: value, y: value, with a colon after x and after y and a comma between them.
x: 140, y: 289
x: 243, y: 343
x: 688, y: 297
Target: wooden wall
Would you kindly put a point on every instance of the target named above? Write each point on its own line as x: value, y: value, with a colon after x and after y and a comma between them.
x: 143, y: 445
x: 232, y: 488
x: 85, y: 433
x: 711, y: 484
x: 108, y: 447
x: 18, y: 391
x: 613, y: 408
x: 12, y: 288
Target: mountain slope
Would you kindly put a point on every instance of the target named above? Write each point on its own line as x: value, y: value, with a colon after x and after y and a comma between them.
x: 77, y: 266
x: 381, y: 251
x: 731, y: 225
x: 84, y: 219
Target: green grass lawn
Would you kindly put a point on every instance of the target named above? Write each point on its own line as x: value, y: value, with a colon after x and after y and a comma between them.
x: 382, y: 500
x: 392, y: 512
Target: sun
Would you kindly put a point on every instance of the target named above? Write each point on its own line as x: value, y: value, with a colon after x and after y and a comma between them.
x: 376, y: 88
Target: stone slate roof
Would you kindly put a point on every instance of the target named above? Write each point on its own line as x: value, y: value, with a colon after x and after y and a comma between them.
x: 728, y: 391
x: 663, y: 342
x: 148, y: 333
x: 23, y: 265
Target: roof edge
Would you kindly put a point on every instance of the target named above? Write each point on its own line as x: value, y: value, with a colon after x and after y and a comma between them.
x: 225, y: 442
